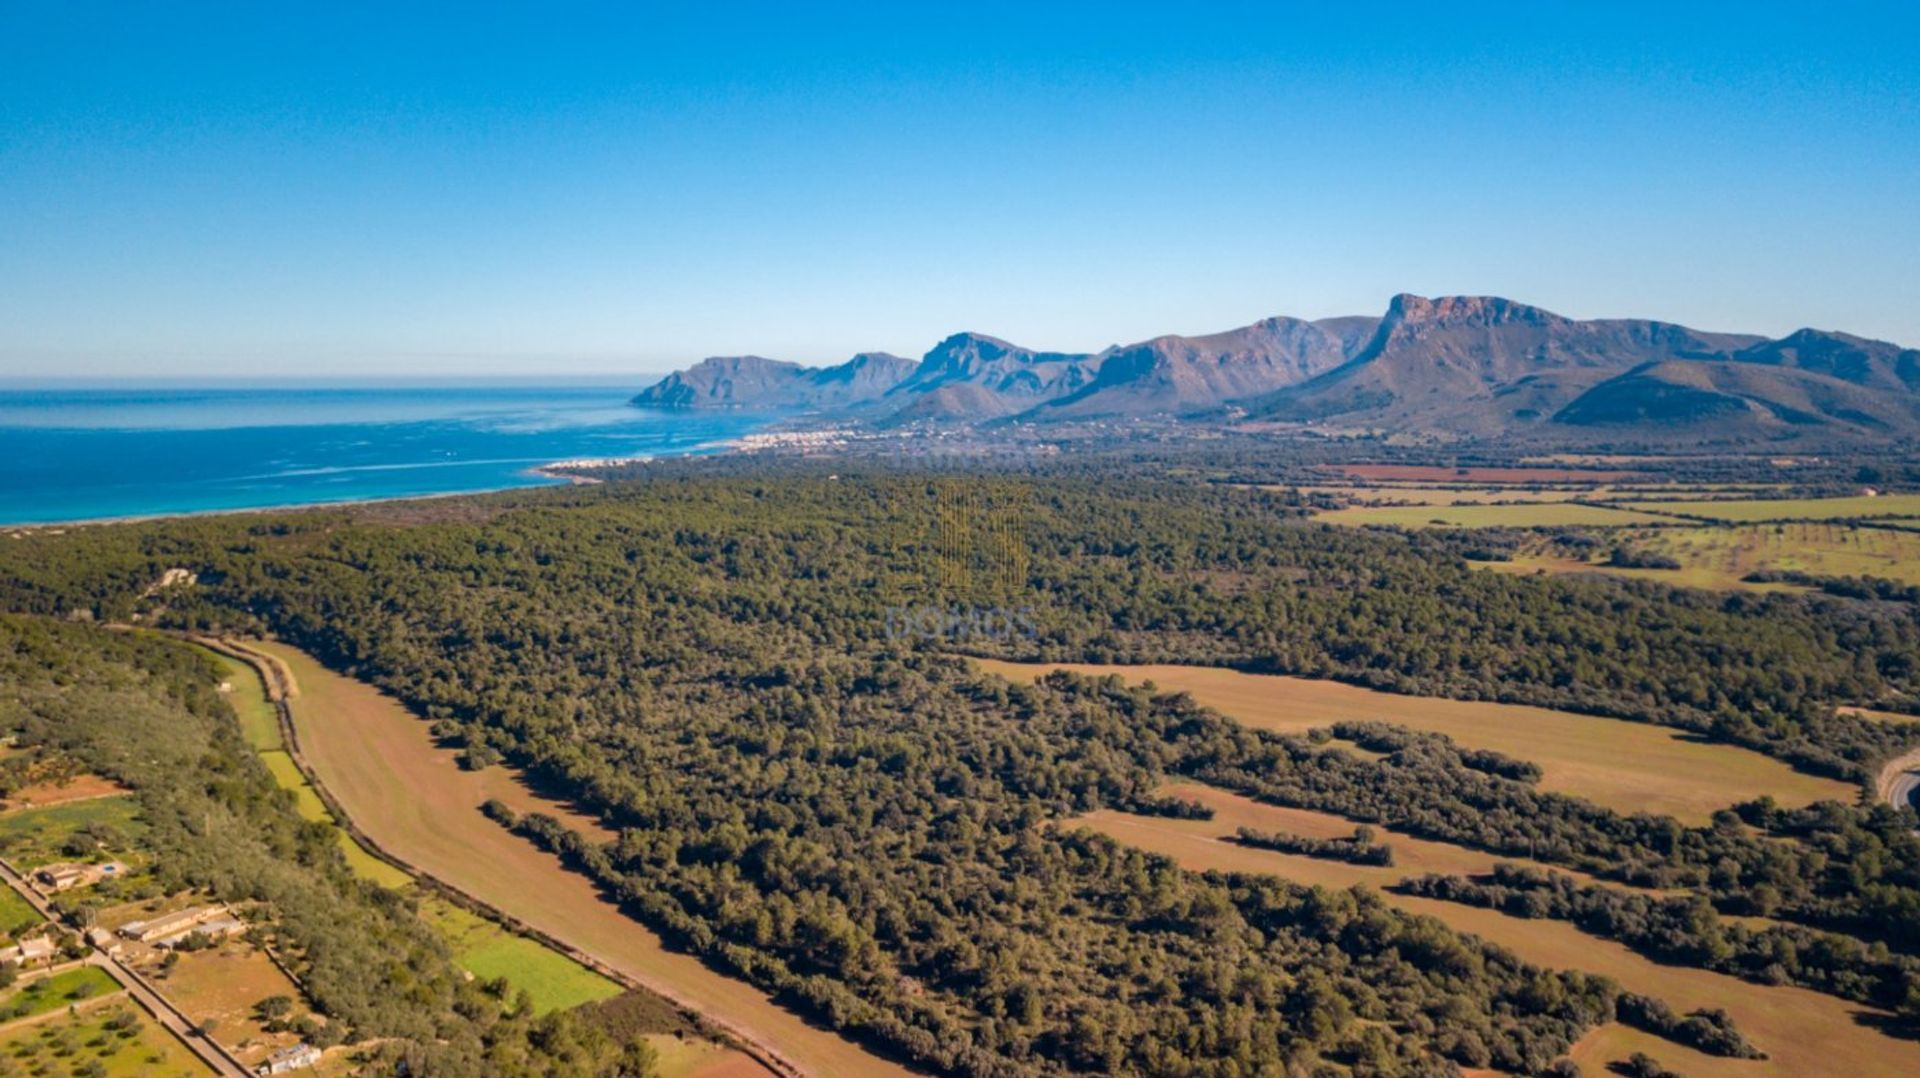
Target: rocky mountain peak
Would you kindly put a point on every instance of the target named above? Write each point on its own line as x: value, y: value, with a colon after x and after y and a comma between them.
x: 1409, y: 309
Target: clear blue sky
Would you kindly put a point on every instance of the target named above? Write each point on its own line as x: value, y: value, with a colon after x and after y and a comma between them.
x: 336, y: 189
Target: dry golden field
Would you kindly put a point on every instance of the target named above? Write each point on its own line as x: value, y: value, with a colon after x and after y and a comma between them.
x: 1808, y: 535
x: 224, y: 984
x: 1432, y: 473
x: 260, y: 723
x: 1405, y: 494
x: 1626, y: 766
x: 61, y: 791
x: 1759, y: 509
x: 412, y: 799
x: 1412, y: 856
x: 1526, y: 514
x: 1805, y: 1032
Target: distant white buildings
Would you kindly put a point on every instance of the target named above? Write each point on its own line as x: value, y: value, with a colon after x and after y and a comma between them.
x: 215, y: 931
x: 289, y: 1059
x: 29, y: 951
x: 171, y: 928
x: 825, y: 438
x: 67, y: 876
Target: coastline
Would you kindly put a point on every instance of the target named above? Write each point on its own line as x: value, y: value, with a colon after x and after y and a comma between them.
x: 801, y: 438
x: 116, y: 456
x: 775, y: 437
x: 554, y: 469
x: 547, y: 479
x: 287, y: 507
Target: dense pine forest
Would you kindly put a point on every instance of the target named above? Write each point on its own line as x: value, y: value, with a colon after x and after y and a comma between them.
x: 820, y: 794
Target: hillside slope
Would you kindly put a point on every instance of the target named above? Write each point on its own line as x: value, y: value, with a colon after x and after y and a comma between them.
x: 1453, y: 366
x: 758, y: 382
x: 1732, y: 397
x: 1483, y: 365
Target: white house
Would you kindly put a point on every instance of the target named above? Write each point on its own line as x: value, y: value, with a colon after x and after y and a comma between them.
x: 290, y: 1059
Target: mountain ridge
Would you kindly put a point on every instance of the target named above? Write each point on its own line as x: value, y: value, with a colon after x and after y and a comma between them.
x: 1455, y: 366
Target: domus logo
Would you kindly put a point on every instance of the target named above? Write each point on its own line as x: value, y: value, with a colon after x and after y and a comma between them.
x: 973, y: 542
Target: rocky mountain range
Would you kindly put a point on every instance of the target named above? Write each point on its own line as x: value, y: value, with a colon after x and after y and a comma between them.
x: 1457, y: 366
x: 756, y: 382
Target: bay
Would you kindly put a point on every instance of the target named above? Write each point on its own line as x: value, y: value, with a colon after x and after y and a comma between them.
x: 97, y: 452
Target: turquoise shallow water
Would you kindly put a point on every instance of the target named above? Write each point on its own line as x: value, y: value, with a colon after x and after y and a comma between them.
x: 83, y: 454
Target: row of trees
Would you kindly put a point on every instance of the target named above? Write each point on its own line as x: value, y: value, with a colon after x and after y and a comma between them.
x: 1357, y: 849
x: 1383, y: 737
x: 1848, y: 868
x: 1687, y: 931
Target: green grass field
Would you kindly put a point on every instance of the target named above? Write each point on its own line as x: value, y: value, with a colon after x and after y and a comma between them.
x: 52, y: 993
x: 486, y: 950
x: 1820, y: 548
x: 33, y: 837
x: 307, y: 802
x: 120, y: 1038
x: 16, y: 916
x: 1688, y: 576
x: 287, y: 774
x: 1535, y: 515
x: 1885, y: 505
x: 1720, y: 557
x: 259, y: 720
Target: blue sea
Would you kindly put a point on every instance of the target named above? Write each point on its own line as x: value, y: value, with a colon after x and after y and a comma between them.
x: 71, y: 454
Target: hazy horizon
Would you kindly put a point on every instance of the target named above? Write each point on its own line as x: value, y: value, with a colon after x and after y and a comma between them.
x: 354, y: 192
x: 508, y: 379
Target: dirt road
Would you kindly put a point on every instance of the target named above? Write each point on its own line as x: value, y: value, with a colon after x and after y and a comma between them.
x: 1899, y: 779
